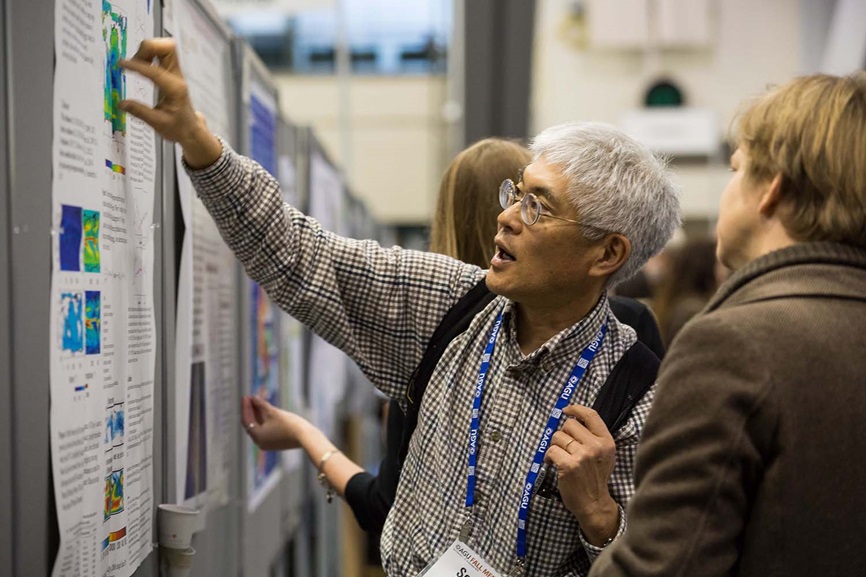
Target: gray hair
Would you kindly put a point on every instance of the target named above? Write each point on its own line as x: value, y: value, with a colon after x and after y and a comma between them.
x: 616, y: 185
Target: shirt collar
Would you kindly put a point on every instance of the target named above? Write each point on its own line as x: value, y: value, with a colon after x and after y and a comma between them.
x: 562, y: 346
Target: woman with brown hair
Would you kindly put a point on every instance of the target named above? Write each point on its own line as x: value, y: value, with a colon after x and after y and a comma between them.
x: 463, y: 227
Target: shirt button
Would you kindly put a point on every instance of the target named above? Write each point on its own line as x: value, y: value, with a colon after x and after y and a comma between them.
x: 495, y: 436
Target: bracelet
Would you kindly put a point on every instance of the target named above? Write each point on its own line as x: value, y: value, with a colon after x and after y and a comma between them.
x: 322, y: 478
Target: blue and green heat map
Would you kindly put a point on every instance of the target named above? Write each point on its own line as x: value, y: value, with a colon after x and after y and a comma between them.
x: 114, y: 35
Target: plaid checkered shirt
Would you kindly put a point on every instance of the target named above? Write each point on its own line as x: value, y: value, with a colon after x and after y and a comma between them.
x: 381, y: 306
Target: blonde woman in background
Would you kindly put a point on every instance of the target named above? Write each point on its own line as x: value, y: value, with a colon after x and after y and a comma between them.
x: 463, y: 227
x: 465, y: 220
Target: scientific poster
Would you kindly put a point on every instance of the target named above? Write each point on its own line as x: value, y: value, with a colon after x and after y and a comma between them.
x: 264, y: 348
x: 206, y: 346
x: 328, y: 365
x: 102, y: 329
x: 291, y: 330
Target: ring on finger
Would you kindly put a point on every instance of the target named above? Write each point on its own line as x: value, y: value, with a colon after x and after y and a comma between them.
x: 570, y: 441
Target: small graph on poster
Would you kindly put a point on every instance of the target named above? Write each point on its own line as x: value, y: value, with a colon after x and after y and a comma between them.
x: 70, y: 238
x: 72, y: 322
x: 114, y: 426
x: 114, y: 37
x: 113, y: 494
x: 79, y: 239
x: 90, y: 223
x: 92, y: 322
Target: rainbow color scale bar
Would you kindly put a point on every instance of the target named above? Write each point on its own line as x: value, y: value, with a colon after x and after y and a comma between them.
x: 114, y: 167
x: 113, y: 537
x: 80, y: 388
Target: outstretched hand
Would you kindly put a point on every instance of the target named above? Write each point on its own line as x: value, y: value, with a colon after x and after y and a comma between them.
x: 271, y: 428
x: 173, y: 117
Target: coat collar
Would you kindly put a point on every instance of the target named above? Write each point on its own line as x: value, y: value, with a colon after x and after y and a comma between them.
x: 805, y: 269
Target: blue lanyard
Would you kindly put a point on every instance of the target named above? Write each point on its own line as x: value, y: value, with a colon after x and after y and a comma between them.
x: 476, y: 406
x: 562, y: 401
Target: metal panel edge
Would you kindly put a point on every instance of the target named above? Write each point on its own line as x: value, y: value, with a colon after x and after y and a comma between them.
x: 6, y: 471
x: 218, y: 544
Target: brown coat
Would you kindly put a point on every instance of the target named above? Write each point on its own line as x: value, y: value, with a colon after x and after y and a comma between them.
x: 753, y: 460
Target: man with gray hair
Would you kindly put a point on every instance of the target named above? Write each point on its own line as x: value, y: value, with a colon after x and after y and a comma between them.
x: 509, y: 397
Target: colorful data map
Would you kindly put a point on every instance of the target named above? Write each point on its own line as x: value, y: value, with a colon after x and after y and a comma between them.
x: 71, y: 305
x: 77, y: 224
x: 113, y: 494
x: 114, y: 426
x: 92, y: 322
x: 114, y: 36
x: 90, y: 222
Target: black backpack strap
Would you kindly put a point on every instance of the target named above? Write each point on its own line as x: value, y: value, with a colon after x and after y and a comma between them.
x: 627, y: 383
x: 638, y: 316
x: 455, y: 322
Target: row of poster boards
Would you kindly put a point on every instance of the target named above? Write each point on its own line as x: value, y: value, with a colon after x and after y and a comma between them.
x: 151, y: 333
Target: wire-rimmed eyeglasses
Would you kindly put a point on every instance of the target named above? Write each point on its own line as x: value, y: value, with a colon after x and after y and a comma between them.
x: 531, y: 208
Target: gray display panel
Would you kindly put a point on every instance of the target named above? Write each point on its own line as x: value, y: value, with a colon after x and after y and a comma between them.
x: 6, y: 515
x: 263, y: 476
x: 29, y: 71
x: 217, y: 544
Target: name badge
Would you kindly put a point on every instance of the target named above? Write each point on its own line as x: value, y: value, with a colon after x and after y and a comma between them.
x: 459, y: 560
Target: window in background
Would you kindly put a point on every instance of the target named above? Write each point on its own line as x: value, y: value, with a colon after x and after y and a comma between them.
x: 383, y: 36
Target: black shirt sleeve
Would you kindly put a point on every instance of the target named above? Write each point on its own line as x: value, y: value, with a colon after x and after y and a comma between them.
x: 371, y: 497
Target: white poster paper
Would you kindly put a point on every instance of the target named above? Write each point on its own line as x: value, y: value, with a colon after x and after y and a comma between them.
x: 326, y: 194
x: 328, y: 365
x: 291, y: 330
x: 102, y: 330
x: 206, y: 345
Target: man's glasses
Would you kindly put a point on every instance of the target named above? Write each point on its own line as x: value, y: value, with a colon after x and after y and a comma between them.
x: 531, y: 208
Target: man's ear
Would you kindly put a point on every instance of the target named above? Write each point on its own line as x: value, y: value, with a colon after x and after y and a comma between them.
x: 771, y: 197
x: 615, y: 251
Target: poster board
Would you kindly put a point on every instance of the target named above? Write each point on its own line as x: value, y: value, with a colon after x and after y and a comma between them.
x: 261, y: 331
x: 206, y: 349
x: 212, y: 277
x: 103, y: 335
x: 327, y: 371
x: 260, y: 334
x: 293, y: 335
